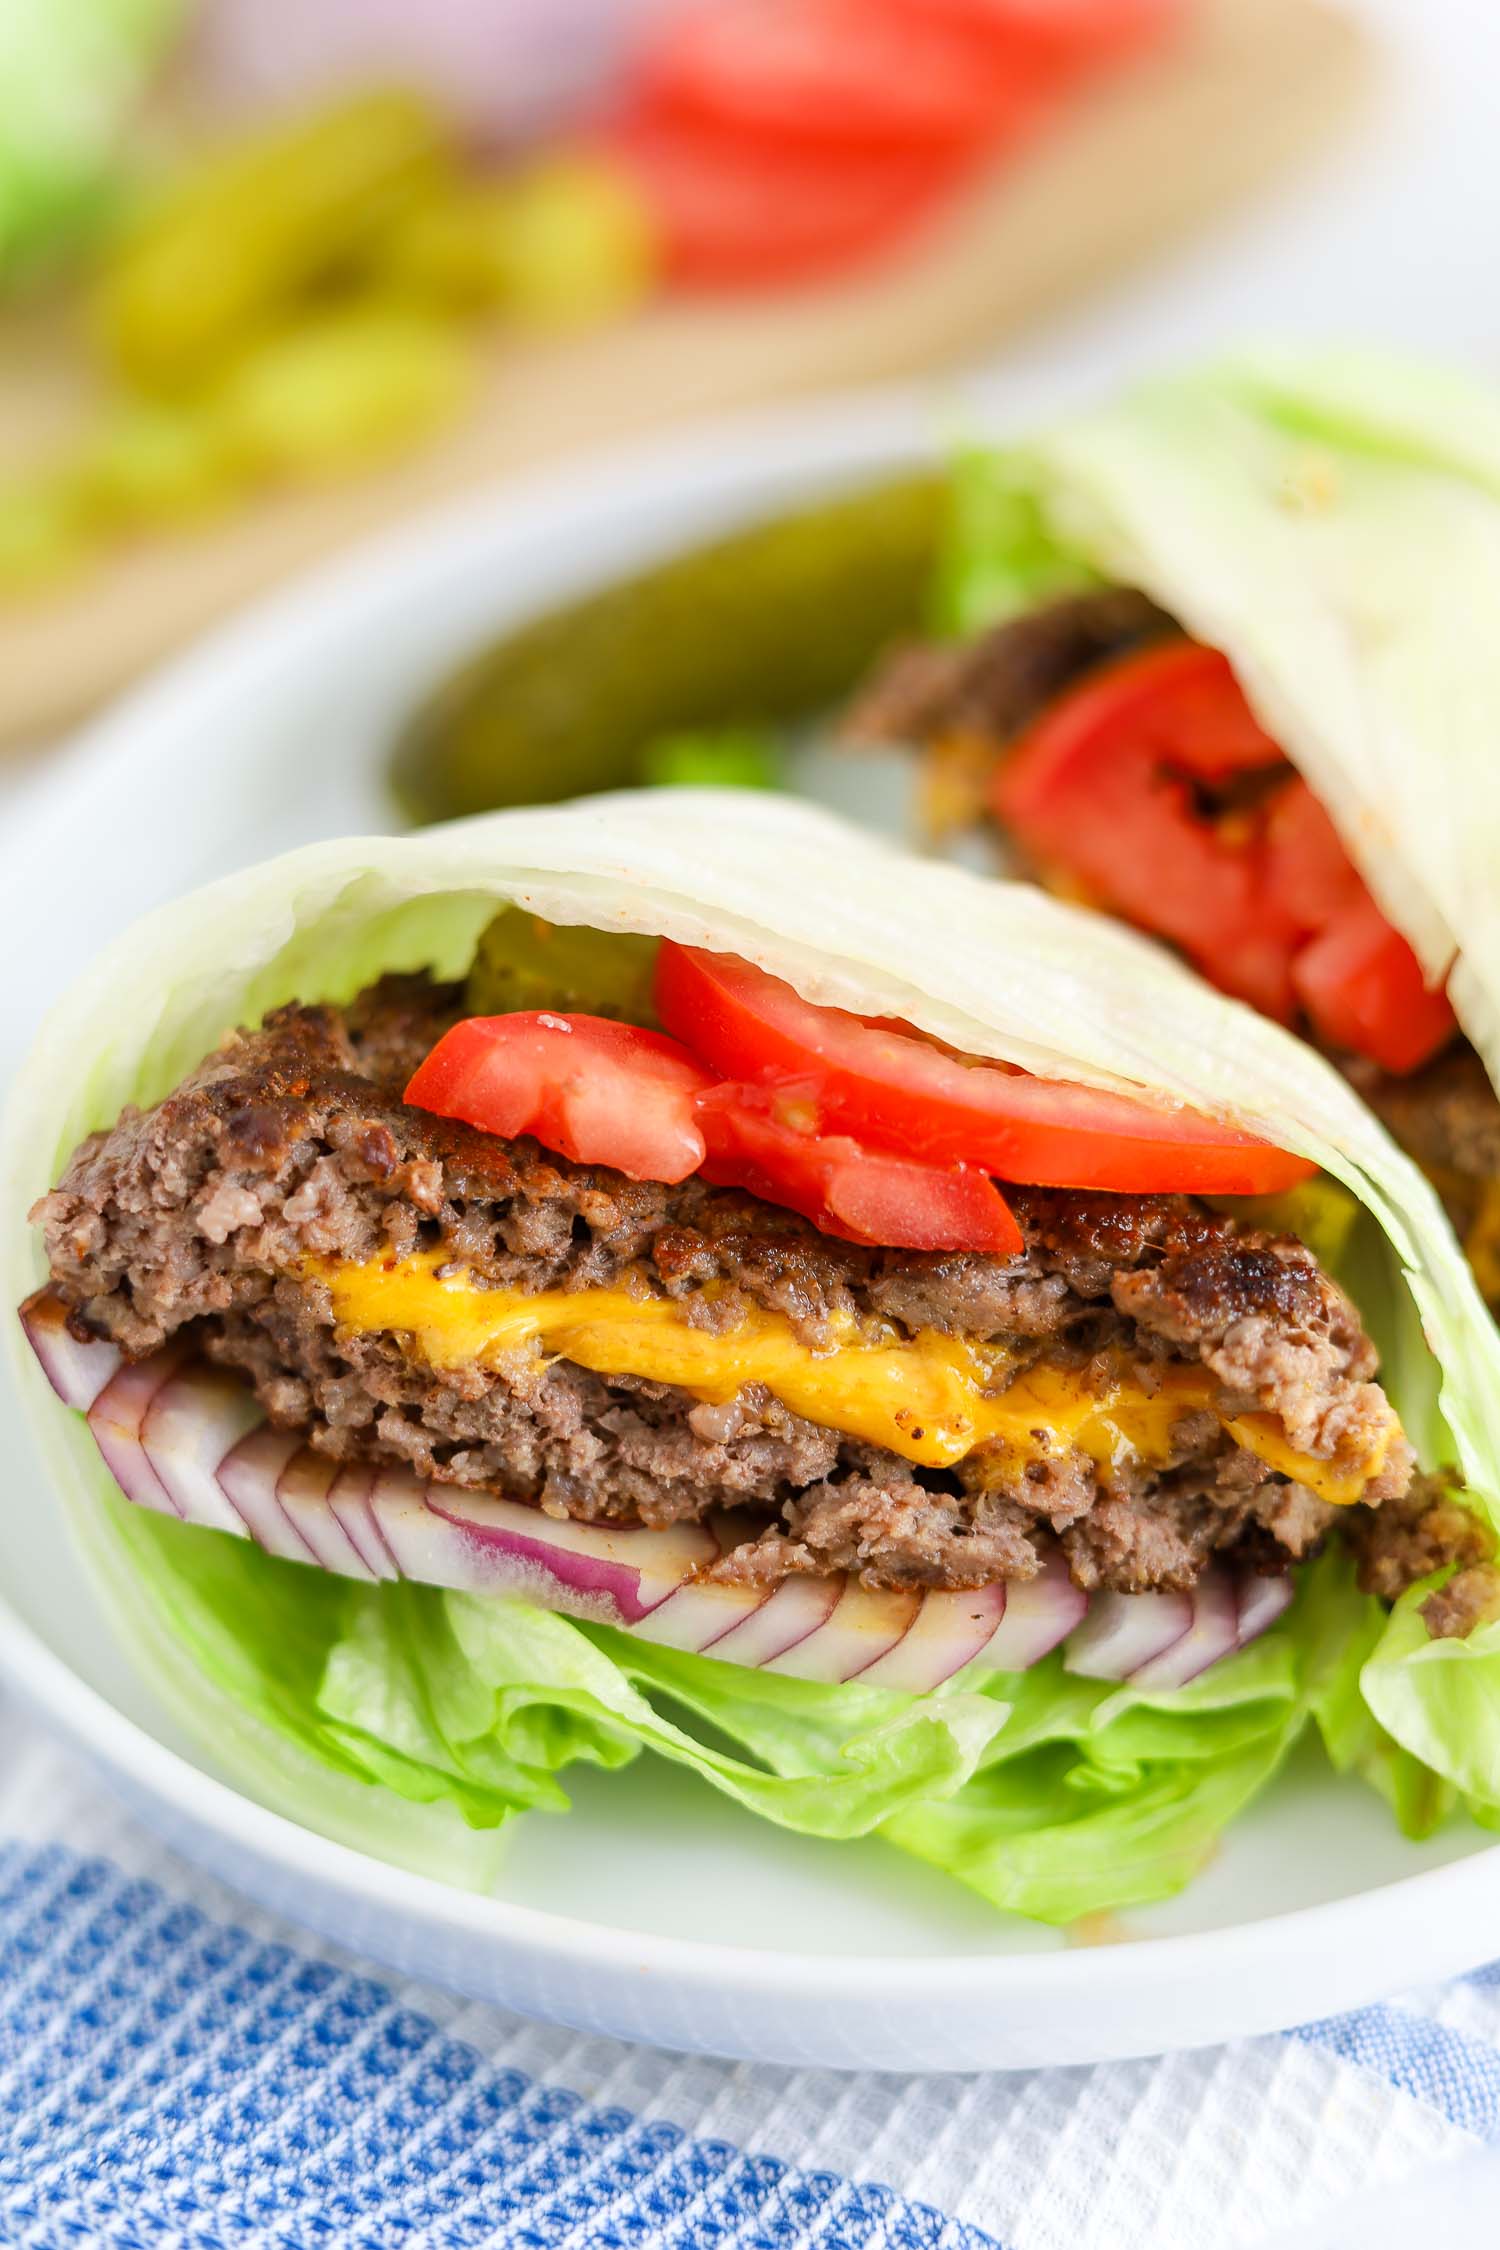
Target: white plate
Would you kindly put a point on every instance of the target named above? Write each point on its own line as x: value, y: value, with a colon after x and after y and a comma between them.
x: 655, y: 1910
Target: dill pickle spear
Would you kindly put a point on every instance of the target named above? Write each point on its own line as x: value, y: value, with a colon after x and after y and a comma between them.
x: 525, y: 963
x: 771, y: 624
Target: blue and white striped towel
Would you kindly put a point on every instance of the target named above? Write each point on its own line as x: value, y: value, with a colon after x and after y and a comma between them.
x: 177, y: 2069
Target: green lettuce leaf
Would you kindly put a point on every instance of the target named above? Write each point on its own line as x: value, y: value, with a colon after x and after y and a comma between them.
x: 1000, y: 555
x: 71, y: 75
x: 1332, y: 520
x: 419, y: 1716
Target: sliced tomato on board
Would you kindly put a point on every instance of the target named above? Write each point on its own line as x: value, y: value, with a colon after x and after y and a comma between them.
x: 597, y: 1091
x: 1115, y: 783
x: 844, y: 1188
x: 731, y: 213
x: 888, y: 1087
x: 1051, y: 37
x: 835, y: 75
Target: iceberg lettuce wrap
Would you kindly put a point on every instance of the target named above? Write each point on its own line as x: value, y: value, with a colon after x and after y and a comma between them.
x: 676, y: 1275
x: 1223, y: 665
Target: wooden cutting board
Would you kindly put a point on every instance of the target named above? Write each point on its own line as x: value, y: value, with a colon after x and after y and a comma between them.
x: 1251, y: 86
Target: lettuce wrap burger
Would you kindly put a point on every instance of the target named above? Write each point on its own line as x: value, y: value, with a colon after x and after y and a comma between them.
x: 676, y: 1274
x: 1222, y: 663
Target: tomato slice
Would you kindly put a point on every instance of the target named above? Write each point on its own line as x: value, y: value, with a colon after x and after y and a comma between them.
x: 1308, y: 869
x: 597, y: 1091
x: 890, y: 1088
x: 1103, y: 785
x: 1055, y: 36
x: 606, y: 1093
x: 863, y: 1194
x: 731, y: 213
x: 1363, y: 988
x: 834, y: 75
x: 1264, y: 899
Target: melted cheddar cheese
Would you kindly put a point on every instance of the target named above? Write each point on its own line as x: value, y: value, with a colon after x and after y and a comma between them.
x: 931, y: 1398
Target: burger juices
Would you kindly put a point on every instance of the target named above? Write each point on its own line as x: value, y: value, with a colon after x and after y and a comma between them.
x: 620, y: 1277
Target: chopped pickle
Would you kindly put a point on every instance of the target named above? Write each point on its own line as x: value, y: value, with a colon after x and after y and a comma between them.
x: 1320, y: 1213
x: 150, y: 464
x: 343, y: 390
x: 525, y: 963
x: 564, y: 243
x: 577, y: 243
x: 770, y: 624
x: 244, y: 234
x: 43, y: 535
x: 448, y: 250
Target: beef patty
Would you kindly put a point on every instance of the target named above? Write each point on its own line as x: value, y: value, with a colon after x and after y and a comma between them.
x: 1447, y: 1115
x: 215, y: 1214
x: 996, y: 684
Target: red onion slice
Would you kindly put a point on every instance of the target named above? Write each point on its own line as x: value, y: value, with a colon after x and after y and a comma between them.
x: 779, y: 1626
x: 1261, y: 1602
x: 77, y: 1370
x: 1039, y: 1613
x: 479, y: 1545
x: 194, y: 1420
x: 862, y: 1625
x: 421, y: 1545
x: 1124, y: 1631
x: 349, y: 1499
x: 697, y: 1617
x: 948, y: 1632
x: 1214, y: 1632
x: 302, y: 1491
x: 116, y: 1418
x: 248, y: 1477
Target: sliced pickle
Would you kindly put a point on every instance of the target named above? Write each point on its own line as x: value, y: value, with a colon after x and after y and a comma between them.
x: 577, y: 244
x: 525, y: 963
x: 448, y: 250
x: 562, y: 243
x: 1320, y: 1213
x: 771, y: 624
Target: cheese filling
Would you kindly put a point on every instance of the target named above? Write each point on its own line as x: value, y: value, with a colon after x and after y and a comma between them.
x: 931, y: 1398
